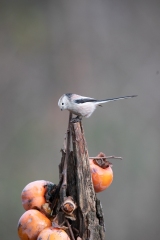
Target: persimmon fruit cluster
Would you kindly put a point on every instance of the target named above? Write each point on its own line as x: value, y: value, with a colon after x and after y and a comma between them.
x: 35, y: 223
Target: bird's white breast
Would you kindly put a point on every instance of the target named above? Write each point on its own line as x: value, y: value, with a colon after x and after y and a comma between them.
x: 83, y: 109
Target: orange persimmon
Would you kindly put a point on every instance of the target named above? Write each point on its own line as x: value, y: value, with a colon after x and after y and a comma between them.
x: 52, y: 233
x: 33, y: 195
x: 31, y: 223
x: 101, y: 177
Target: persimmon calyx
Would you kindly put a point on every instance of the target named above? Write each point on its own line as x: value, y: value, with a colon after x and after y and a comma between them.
x: 103, y: 163
x: 68, y: 206
x: 102, y: 160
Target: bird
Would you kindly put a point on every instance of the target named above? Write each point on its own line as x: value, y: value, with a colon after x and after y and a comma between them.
x: 83, y: 106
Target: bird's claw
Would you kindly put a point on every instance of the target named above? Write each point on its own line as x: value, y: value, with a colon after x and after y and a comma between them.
x: 75, y: 120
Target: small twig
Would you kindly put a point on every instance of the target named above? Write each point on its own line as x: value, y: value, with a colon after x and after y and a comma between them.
x: 64, y: 183
x: 70, y: 230
x: 75, y: 230
x: 64, y: 142
x: 55, y: 193
x: 107, y: 157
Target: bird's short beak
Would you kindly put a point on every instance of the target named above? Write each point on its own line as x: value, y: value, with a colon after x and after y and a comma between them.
x: 61, y: 109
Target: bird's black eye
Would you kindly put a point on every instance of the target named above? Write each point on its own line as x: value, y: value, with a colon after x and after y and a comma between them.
x: 62, y: 103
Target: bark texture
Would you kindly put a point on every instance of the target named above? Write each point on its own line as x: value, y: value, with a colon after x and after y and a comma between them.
x: 89, y: 216
x: 86, y: 221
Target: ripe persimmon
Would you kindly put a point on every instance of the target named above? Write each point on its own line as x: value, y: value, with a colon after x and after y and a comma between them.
x: 31, y: 223
x: 101, y: 177
x: 33, y: 195
x: 52, y: 233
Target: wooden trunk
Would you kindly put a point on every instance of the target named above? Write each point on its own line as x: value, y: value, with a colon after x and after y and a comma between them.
x: 89, y: 217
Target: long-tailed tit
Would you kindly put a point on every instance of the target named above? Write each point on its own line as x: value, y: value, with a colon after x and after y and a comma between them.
x: 82, y: 106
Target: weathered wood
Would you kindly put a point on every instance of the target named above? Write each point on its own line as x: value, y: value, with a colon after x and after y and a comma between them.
x: 80, y: 186
x: 86, y: 222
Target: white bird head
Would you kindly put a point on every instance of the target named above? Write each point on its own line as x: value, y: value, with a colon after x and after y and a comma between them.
x: 64, y: 101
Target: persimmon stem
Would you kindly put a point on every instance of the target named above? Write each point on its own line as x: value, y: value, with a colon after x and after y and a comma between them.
x: 107, y: 157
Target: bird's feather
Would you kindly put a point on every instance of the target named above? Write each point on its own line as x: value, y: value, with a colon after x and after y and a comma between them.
x: 84, y: 100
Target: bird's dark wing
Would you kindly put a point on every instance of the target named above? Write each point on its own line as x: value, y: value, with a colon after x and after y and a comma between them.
x: 84, y: 100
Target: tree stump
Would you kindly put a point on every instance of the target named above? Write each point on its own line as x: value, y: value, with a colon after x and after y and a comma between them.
x: 86, y: 222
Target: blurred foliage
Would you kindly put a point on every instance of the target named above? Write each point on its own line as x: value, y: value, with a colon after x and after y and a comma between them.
x: 100, y: 49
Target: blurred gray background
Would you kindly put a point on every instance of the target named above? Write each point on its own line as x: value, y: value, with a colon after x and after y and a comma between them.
x: 101, y: 49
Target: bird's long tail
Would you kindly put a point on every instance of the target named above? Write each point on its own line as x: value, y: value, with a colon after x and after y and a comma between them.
x: 114, y: 99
